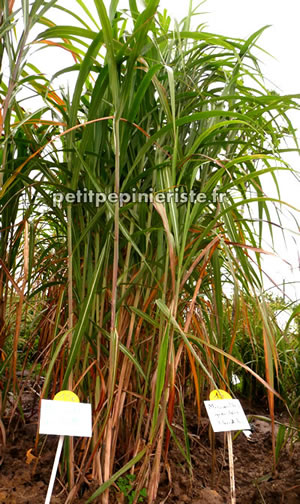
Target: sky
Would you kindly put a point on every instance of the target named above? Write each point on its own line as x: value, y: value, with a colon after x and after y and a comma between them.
x: 241, y: 18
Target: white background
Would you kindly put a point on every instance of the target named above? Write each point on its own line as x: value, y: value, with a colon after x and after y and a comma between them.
x: 241, y: 18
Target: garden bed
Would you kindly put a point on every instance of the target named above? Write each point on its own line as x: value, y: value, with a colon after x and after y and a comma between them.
x: 23, y: 483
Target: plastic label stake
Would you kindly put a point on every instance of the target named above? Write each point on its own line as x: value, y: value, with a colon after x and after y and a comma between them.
x: 54, y: 469
x: 226, y: 415
x: 64, y: 416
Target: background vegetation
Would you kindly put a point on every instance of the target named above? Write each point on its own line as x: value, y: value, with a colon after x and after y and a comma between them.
x: 137, y: 307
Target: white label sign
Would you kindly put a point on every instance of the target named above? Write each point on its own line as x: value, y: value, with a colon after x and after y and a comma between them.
x: 66, y: 418
x: 226, y: 415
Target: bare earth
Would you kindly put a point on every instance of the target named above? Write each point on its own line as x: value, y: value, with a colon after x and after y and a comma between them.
x: 22, y: 483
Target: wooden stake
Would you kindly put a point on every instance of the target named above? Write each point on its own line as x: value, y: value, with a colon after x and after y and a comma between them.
x: 213, y: 456
x: 231, y: 468
x: 54, y: 469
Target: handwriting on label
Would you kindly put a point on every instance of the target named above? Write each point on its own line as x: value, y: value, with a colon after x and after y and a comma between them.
x: 226, y: 415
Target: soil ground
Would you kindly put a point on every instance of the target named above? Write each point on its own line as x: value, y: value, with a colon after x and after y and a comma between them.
x: 21, y: 484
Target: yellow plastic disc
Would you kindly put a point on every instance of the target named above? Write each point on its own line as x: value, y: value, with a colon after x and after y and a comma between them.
x: 219, y: 394
x: 67, y: 396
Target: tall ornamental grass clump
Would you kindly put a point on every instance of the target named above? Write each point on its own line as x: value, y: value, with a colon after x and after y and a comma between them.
x: 134, y: 305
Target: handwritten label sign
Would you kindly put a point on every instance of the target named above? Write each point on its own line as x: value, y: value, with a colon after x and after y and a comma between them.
x: 66, y: 418
x: 226, y: 415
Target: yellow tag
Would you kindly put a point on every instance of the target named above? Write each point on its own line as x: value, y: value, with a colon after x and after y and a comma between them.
x: 219, y: 394
x: 67, y: 396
